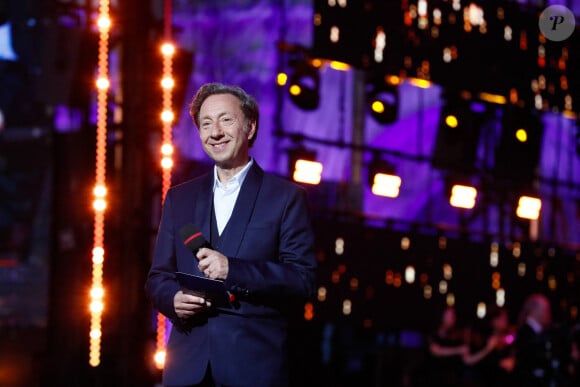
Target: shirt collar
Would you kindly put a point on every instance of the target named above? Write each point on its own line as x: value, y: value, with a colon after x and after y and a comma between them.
x: 236, y: 180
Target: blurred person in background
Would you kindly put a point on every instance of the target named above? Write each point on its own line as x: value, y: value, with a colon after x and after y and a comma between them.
x: 490, y: 358
x: 446, y: 347
x: 541, y: 350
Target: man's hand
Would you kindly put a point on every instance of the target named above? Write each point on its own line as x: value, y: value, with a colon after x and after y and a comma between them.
x: 187, y: 304
x: 212, y: 263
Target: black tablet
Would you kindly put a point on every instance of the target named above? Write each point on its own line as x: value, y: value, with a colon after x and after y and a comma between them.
x: 213, y: 290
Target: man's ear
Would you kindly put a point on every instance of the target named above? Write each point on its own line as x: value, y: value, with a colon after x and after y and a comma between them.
x: 252, y: 131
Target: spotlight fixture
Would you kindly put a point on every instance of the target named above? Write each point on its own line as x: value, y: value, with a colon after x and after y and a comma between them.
x: 304, y: 85
x: 383, y: 179
x: 518, y: 153
x: 303, y: 167
x: 457, y: 136
x: 383, y: 101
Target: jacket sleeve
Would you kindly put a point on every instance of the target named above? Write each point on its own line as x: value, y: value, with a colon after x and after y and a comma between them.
x: 161, y: 285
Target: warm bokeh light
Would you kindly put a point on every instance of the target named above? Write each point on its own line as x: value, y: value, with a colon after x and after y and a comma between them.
x: 378, y: 106
x: 500, y: 297
x: 405, y: 243
x: 420, y: 83
x: 335, y: 277
x: 167, y: 49
x: 308, y: 311
x: 463, y: 196
x: 529, y: 207
x: 167, y: 83
x: 521, y: 269
x: 295, y: 90
x: 493, y: 98
x: 96, y: 307
x: 166, y: 163
x: 340, y: 66
x: 317, y: 62
x: 442, y: 242
x: 398, y: 280
x: 104, y: 23
x: 540, y: 273
x: 98, y: 251
x: 379, y: 43
x: 552, y: 282
x: 450, y: 299
x: 410, y: 274
x: 386, y: 185
x: 493, y: 259
x: 321, y: 294
x: 100, y: 191
x: 99, y: 205
x: 447, y: 271
x: 282, y: 79
x: 167, y: 149
x: 451, y: 121
x: 339, y: 246
x: 347, y: 307
x: 159, y: 359
x: 427, y: 292
x: 167, y: 116
x: 442, y: 287
x: 97, y: 293
x: 521, y: 135
x: 495, y: 280
x: 307, y: 171
x: 353, y: 284
x: 95, y: 334
x: 103, y: 83
x: 516, y: 249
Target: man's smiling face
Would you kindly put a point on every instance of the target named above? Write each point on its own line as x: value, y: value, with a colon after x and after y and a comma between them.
x: 222, y: 131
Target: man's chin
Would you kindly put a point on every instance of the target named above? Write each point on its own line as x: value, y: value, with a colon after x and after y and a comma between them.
x: 217, y: 157
x: 223, y: 164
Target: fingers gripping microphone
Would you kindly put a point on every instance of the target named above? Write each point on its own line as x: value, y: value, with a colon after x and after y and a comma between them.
x: 192, y: 238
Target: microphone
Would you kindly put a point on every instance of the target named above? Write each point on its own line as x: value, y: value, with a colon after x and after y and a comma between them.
x: 193, y: 238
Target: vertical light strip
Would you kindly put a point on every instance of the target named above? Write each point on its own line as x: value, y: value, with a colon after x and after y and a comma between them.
x: 167, y: 118
x: 100, y: 189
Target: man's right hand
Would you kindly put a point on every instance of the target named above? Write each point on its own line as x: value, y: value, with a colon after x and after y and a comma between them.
x: 187, y: 304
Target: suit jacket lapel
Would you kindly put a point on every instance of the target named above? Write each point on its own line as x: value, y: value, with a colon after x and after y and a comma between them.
x: 202, y: 206
x: 236, y: 227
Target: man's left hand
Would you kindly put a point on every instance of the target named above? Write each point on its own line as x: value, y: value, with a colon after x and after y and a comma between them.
x: 212, y: 263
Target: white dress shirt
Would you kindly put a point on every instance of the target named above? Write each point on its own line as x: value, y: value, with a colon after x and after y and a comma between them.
x: 224, y: 197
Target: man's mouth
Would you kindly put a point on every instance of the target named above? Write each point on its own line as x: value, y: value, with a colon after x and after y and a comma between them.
x: 219, y: 146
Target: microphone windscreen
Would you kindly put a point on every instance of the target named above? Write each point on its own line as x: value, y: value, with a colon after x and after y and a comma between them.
x: 192, y: 237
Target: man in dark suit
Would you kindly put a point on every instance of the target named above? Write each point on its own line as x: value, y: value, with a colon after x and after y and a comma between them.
x: 262, y: 247
x: 541, y: 351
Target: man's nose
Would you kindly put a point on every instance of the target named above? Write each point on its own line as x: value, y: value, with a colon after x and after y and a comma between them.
x: 216, y: 130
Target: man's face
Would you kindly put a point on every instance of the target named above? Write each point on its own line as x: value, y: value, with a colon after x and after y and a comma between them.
x: 545, y: 314
x: 222, y: 131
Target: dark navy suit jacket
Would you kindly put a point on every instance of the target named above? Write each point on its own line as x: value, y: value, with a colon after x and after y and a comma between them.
x: 270, y: 245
